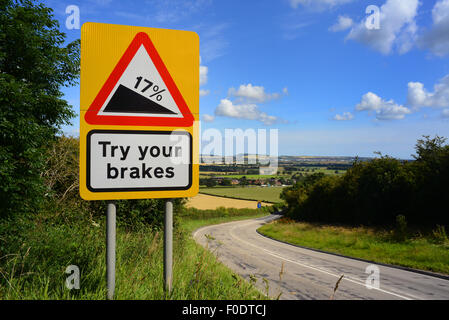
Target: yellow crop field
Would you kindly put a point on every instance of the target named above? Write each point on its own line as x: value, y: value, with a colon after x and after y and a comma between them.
x: 207, y: 202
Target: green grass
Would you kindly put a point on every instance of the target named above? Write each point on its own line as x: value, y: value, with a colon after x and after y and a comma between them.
x: 375, y: 245
x: 283, y: 174
x: 265, y: 194
x: 324, y: 170
x: 194, y: 218
x: 250, y: 176
x: 36, y: 269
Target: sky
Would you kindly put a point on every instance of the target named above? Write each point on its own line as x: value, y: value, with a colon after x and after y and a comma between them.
x: 334, y: 77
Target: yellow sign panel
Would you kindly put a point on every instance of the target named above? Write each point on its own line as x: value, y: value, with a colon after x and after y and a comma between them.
x: 139, y: 109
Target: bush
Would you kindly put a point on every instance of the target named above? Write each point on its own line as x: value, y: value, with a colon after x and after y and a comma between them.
x: 376, y: 192
x: 277, y: 208
x: 400, y: 231
x: 36, y: 249
x: 439, y: 235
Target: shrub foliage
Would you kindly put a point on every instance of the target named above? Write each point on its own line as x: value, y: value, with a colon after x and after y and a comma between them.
x: 377, y: 192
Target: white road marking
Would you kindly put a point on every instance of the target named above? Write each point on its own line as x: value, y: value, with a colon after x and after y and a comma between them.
x: 346, y: 278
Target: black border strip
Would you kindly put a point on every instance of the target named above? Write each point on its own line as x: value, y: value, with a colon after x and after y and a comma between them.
x: 88, y: 157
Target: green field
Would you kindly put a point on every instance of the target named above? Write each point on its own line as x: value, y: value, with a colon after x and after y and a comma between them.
x: 418, y: 252
x: 312, y: 170
x: 265, y: 194
x: 285, y: 175
x: 238, y: 176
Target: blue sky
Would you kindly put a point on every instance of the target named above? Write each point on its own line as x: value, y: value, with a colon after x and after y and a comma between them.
x: 313, y: 70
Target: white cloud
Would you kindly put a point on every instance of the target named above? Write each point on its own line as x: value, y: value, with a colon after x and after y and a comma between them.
x: 293, y: 30
x: 343, y: 23
x: 248, y: 111
x: 445, y: 113
x: 398, y: 29
x: 203, y: 79
x: 437, y: 38
x: 250, y: 93
x: 384, y: 110
x: 346, y: 116
x: 440, y: 11
x: 213, y: 42
x: 208, y: 118
x: 203, y: 75
x: 418, y: 96
x: 319, y: 4
x: 245, y: 105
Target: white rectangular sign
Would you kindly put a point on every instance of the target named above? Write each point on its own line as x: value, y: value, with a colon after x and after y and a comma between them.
x: 121, y: 160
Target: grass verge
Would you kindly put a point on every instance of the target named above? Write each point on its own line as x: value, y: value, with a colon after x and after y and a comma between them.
x: 193, y: 219
x: 418, y: 251
x: 36, y: 270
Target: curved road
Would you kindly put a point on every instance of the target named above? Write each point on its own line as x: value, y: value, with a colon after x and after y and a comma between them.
x: 297, y: 273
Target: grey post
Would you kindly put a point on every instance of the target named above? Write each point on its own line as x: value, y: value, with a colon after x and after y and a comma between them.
x: 168, y: 245
x: 110, y: 249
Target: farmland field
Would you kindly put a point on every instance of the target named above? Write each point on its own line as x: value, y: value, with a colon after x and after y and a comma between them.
x: 250, y: 176
x: 208, y: 202
x: 238, y: 176
x: 265, y: 194
x: 325, y: 170
x: 301, y: 170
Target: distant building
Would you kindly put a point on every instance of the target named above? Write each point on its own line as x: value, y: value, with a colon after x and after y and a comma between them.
x: 268, y: 170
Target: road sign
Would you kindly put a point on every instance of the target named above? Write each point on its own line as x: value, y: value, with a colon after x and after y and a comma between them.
x: 140, y: 91
x: 139, y: 103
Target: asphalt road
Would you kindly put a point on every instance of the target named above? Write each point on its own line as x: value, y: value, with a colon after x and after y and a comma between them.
x: 295, y: 273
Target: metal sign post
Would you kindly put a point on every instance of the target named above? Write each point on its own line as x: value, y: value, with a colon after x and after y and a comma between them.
x: 110, y: 249
x: 168, y: 245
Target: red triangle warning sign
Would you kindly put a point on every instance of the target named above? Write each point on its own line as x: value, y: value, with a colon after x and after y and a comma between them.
x: 140, y: 92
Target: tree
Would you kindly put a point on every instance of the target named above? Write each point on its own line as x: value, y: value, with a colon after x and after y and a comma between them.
x: 34, y: 65
x: 431, y: 169
x: 378, y: 191
x: 210, y: 183
x: 243, y: 181
x: 226, y: 182
x: 428, y: 149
